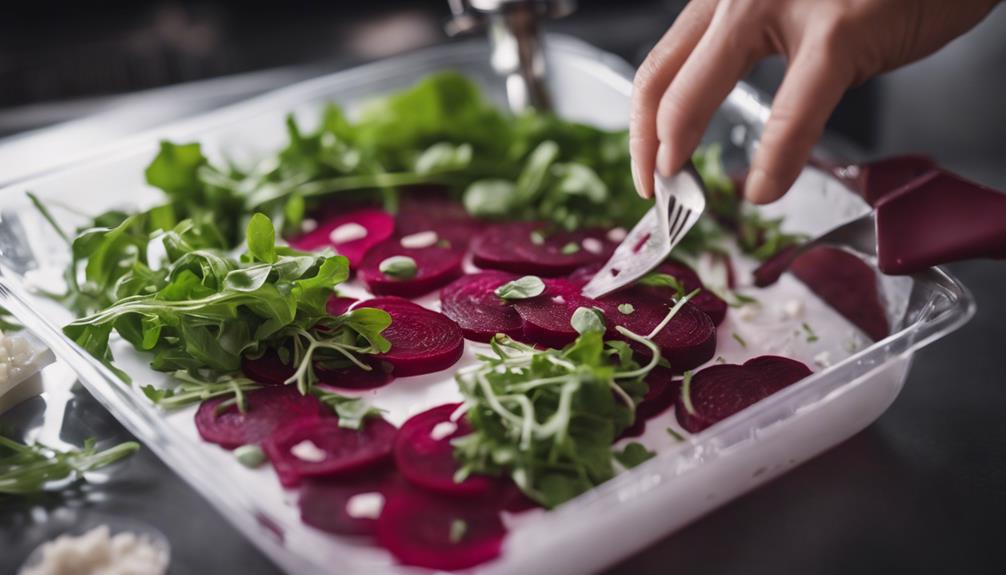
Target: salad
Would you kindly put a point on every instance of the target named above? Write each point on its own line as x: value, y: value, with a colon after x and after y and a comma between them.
x: 467, y: 229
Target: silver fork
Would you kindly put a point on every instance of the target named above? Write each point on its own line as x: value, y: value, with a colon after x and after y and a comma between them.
x: 680, y: 201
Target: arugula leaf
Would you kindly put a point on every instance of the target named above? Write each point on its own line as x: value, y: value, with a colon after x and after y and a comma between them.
x: 261, y: 239
x: 658, y: 279
x: 633, y: 454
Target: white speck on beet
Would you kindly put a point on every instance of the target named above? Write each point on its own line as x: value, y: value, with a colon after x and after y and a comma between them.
x: 365, y: 505
x: 442, y: 430
x: 307, y: 451
x: 347, y: 232
x: 559, y: 299
x: 308, y: 225
x: 592, y: 245
x: 419, y: 240
x: 617, y: 234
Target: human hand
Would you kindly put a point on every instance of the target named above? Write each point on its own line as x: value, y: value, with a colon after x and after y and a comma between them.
x: 830, y: 45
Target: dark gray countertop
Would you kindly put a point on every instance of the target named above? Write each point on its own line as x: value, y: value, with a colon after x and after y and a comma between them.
x: 921, y: 490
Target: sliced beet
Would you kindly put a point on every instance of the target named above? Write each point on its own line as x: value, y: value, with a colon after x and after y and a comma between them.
x: 338, y: 305
x: 378, y: 226
x: 535, y: 248
x: 323, y: 501
x: 417, y: 527
x: 343, y: 451
x: 271, y: 370
x: 471, y: 301
x: 428, y: 461
x: 546, y: 317
x: 687, y: 341
x: 846, y: 283
x: 879, y: 178
x: 424, y: 212
x: 267, y: 409
x: 436, y: 266
x: 719, y: 391
x: 422, y: 340
x: 705, y: 300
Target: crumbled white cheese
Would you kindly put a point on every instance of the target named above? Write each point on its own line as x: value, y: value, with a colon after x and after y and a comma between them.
x: 365, y: 505
x: 307, y: 451
x: 442, y: 430
x: 617, y: 234
x: 592, y: 245
x: 823, y: 359
x: 308, y: 225
x: 559, y: 299
x: 792, y: 309
x: 98, y: 552
x: 347, y: 233
x: 748, y: 312
x: 21, y: 356
x: 419, y: 240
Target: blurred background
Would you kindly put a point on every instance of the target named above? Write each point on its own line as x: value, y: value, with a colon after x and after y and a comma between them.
x: 923, y: 489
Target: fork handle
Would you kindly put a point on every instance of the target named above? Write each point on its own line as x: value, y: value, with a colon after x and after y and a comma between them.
x: 939, y: 218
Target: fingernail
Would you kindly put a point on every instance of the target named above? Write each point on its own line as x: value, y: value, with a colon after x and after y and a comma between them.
x: 664, y: 160
x: 637, y: 181
x: 759, y: 187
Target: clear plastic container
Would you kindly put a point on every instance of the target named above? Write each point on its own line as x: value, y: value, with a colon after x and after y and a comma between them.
x: 686, y: 479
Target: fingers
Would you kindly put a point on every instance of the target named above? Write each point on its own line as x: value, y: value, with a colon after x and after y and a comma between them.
x: 652, y: 79
x: 810, y: 91
x: 729, y: 46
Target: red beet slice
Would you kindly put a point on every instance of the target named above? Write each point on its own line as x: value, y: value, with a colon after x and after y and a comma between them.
x: 511, y: 247
x: 878, y: 179
x: 379, y: 225
x: 422, y: 212
x: 344, y: 450
x: 471, y: 301
x: 688, y: 340
x: 422, y: 340
x: 338, y: 305
x: 270, y: 369
x: 546, y: 317
x: 847, y: 284
x: 323, y: 501
x: 266, y: 409
x: 416, y: 527
x: 436, y: 266
x: 429, y: 463
x: 719, y: 391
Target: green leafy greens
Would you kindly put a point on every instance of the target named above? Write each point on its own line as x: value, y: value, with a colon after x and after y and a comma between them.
x: 28, y: 469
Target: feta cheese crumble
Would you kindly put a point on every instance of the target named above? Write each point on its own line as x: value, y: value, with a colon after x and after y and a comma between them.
x: 21, y: 356
x: 307, y: 451
x: 419, y: 240
x: 98, y: 552
x: 347, y: 233
x: 365, y: 505
x: 592, y: 245
x: 442, y: 430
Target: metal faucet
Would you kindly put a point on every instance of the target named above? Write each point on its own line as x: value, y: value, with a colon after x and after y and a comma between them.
x: 517, y: 51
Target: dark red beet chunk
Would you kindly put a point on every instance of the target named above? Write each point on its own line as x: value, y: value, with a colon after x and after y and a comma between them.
x: 429, y: 463
x: 847, y: 284
x: 338, y: 305
x: 379, y: 225
x: 436, y: 266
x: 422, y: 212
x: 663, y: 390
x: 267, y: 409
x: 688, y: 341
x: 511, y: 247
x: 344, y: 451
x: 878, y: 179
x: 719, y: 391
x: 546, y: 317
x: 416, y: 527
x: 422, y: 340
x: 270, y: 369
x: 471, y: 301
x: 323, y: 501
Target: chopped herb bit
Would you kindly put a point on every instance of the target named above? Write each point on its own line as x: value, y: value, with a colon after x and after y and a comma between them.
x: 742, y: 299
x: 811, y: 336
x: 399, y: 267
x: 720, y: 359
x: 677, y: 436
x: 626, y: 308
x: 251, y: 456
x: 521, y: 288
x: 737, y: 337
x: 570, y: 248
x: 458, y: 529
x: 634, y: 454
x: 656, y: 279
